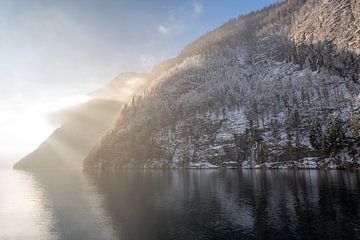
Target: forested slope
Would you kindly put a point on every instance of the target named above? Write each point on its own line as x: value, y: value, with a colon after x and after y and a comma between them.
x: 275, y: 88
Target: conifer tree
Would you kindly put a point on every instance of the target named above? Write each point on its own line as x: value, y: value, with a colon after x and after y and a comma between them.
x: 316, y: 135
x: 335, y: 139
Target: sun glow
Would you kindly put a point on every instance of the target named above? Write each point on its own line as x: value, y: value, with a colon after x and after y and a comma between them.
x: 22, y: 131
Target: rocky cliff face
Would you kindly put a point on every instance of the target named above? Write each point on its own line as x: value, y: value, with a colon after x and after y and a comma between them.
x: 278, y: 85
x: 336, y: 22
x: 82, y: 126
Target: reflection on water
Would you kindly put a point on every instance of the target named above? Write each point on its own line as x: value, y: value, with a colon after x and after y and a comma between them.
x: 180, y: 204
x: 23, y: 208
x: 213, y: 204
x: 77, y: 209
x: 51, y: 205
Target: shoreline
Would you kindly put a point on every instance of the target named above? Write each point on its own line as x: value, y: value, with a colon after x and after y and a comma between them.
x: 303, y: 164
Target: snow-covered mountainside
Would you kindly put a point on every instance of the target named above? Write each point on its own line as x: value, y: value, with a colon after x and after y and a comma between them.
x: 82, y: 126
x: 275, y: 88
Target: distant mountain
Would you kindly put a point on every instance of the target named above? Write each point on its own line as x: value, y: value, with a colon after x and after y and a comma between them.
x: 82, y: 126
x: 275, y: 88
x: 122, y: 87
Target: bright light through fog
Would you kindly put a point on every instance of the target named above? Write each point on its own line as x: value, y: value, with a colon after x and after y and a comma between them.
x: 21, y: 132
x: 64, y: 103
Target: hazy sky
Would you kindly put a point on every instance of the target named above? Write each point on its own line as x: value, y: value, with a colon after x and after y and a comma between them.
x: 53, y: 49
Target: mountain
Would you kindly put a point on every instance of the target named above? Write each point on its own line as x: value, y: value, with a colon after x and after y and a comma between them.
x: 122, y: 87
x: 82, y: 126
x: 275, y: 88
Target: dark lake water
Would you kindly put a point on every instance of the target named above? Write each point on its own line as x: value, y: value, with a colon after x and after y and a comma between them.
x: 180, y: 204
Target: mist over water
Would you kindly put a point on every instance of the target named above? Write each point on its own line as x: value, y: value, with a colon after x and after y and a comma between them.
x: 180, y: 204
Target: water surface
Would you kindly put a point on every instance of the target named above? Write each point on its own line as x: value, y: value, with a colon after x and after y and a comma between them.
x: 180, y: 204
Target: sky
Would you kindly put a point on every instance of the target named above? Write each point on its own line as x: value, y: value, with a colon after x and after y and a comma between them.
x: 54, y: 52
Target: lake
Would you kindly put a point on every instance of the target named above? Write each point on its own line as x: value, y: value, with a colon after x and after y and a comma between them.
x: 180, y: 204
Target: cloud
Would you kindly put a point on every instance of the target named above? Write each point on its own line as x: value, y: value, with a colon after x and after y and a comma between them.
x: 198, y: 8
x: 163, y: 30
x: 147, y: 61
x: 179, y: 18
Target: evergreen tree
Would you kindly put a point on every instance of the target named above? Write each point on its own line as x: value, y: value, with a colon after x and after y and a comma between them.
x: 275, y: 127
x: 355, y: 127
x: 354, y: 141
x: 335, y: 139
x: 316, y: 135
x: 296, y: 124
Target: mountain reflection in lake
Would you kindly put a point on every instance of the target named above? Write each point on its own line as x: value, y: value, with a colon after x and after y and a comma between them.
x: 75, y: 206
x: 202, y: 204
x: 245, y: 204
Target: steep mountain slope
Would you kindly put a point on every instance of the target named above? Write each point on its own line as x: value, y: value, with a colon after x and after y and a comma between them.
x: 278, y: 87
x: 82, y: 126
